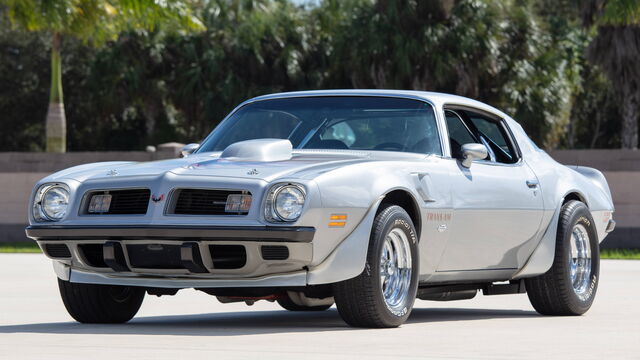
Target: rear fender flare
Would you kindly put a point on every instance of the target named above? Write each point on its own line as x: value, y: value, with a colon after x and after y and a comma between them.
x: 542, y: 257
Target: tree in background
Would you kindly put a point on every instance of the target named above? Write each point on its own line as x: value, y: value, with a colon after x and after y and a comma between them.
x: 500, y: 52
x: 616, y: 49
x: 22, y: 94
x: 527, y: 57
x: 93, y: 21
x: 249, y: 48
x: 153, y: 88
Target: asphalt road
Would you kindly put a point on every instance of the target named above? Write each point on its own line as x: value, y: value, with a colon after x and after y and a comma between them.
x: 35, y: 325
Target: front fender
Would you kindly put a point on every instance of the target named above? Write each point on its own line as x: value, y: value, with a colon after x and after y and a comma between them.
x: 349, y: 258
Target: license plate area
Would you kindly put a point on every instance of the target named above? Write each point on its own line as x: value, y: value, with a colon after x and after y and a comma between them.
x: 155, y: 256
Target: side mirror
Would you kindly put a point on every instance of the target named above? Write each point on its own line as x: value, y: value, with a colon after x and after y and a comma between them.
x: 471, y: 152
x: 189, y: 149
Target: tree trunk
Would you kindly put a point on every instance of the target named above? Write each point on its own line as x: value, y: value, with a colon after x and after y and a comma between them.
x: 630, y: 116
x: 56, y: 120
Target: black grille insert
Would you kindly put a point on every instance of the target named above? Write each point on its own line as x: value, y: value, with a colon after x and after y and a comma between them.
x: 228, y: 256
x: 204, y: 202
x: 274, y: 252
x: 123, y: 202
x: 93, y: 255
x: 57, y: 250
x: 155, y: 256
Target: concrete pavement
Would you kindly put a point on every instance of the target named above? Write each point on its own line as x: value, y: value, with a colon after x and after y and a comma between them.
x: 193, y: 325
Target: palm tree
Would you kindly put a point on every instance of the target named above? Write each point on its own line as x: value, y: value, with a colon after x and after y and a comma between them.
x: 616, y: 49
x: 95, y: 22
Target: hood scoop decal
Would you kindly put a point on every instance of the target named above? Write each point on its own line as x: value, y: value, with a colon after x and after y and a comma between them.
x: 262, y: 150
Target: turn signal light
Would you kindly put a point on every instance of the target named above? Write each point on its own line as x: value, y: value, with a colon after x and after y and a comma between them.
x: 238, y: 203
x: 337, y: 220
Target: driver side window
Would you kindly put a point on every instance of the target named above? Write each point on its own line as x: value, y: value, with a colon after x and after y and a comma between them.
x: 493, y: 135
x: 459, y: 133
x: 469, y: 127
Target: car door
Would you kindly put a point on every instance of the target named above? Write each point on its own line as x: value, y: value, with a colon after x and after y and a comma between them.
x: 496, y: 202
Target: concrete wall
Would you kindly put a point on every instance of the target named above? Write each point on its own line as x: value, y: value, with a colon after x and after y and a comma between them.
x: 20, y: 171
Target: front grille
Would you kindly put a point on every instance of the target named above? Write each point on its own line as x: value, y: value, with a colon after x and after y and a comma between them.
x: 57, y: 250
x: 155, y: 256
x: 204, y: 202
x: 123, y: 202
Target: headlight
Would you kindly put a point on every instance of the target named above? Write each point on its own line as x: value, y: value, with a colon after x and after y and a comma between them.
x: 285, y: 203
x: 51, y: 203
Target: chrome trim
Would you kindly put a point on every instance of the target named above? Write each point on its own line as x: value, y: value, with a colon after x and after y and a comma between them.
x: 395, y: 270
x: 171, y: 233
x: 532, y: 184
x: 38, y: 213
x: 580, y: 263
x: 491, y: 163
x: 270, y: 212
x: 189, y: 149
x: 473, y: 152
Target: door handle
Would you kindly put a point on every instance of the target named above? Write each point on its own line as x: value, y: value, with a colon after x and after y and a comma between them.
x: 532, y: 184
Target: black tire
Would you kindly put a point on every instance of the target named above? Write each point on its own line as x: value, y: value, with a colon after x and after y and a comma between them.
x: 553, y: 292
x: 101, y: 304
x: 287, y: 304
x: 360, y: 300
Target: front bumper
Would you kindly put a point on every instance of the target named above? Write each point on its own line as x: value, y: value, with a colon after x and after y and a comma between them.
x: 201, y: 233
x: 292, y: 279
x: 177, y: 255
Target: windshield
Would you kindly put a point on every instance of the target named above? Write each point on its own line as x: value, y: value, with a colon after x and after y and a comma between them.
x: 340, y: 122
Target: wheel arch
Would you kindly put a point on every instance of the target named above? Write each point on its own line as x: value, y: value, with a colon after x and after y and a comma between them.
x: 542, y: 257
x: 403, y: 198
x: 574, y: 195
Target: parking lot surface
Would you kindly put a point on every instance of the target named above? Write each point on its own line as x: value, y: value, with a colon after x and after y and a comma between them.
x: 193, y: 325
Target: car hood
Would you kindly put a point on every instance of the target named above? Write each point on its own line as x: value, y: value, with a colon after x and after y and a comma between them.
x: 211, y: 165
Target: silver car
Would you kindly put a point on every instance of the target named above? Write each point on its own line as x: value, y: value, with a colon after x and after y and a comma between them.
x: 367, y: 199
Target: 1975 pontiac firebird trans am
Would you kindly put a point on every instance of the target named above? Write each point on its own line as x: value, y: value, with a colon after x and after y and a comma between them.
x: 367, y: 199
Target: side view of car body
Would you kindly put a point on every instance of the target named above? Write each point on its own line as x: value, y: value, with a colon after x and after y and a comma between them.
x: 366, y: 198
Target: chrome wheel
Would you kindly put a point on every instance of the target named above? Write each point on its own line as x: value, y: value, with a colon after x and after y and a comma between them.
x: 570, y: 285
x: 580, y: 260
x: 395, y: 271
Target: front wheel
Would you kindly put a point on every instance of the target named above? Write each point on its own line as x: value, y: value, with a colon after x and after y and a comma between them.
x: 383, y: 295
x: 569, y: 287
x: 101, y: 304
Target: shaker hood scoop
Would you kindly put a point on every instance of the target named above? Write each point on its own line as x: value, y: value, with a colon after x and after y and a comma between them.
x: 261, y: 150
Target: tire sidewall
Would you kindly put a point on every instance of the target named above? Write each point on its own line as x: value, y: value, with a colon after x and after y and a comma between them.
x: 391, y: 218
x: 581, y: 215
x: 96, y: 303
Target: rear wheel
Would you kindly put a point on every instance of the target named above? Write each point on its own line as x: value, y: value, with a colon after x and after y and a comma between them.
x: 92, y: 303
x: 569, y: 287
x: 383, y: 295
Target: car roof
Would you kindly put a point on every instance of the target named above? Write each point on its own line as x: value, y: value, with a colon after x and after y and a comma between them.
x: 435, y: 98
